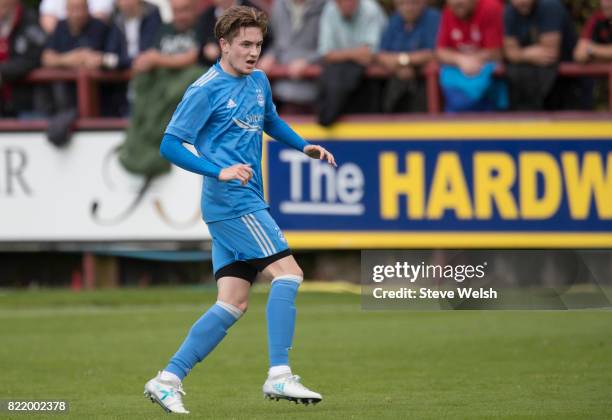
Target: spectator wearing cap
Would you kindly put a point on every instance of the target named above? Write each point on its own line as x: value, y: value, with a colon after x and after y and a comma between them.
x: 407, y: 44
x: 21, y: 44
x: 349, y: 36
x: 538, y: 35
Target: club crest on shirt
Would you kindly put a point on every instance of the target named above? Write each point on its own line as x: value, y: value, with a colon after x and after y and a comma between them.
x: 260, y: 98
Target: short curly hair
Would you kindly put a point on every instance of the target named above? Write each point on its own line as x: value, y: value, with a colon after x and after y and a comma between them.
x: 237, y: 17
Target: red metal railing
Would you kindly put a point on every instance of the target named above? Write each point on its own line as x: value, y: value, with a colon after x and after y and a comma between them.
x: 87, y: 81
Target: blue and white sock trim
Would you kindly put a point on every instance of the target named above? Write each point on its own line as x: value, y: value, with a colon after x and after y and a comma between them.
x: 233, y: 311
x: 289, y: 277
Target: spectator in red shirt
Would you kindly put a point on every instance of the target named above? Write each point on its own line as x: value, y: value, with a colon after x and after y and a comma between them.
x: 471, y: 34
x: 596, y: 40
x: 469, y: 46
x: 21, y: 43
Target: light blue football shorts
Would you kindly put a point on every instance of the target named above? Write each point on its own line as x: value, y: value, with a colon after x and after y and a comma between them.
x: 254, y: 238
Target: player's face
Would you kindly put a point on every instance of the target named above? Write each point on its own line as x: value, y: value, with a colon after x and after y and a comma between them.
x: 242, y: 53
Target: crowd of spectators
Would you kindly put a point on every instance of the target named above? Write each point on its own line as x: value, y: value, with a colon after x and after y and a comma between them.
x: 468, y: 38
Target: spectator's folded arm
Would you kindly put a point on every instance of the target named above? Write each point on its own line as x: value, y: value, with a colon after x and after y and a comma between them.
x: 601, y: 52
x: 177, y: 61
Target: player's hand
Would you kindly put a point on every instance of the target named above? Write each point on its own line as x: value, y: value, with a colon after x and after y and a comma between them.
x: 241, y: 171
x: 317, y: 152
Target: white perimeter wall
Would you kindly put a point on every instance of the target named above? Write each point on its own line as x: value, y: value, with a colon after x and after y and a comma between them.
x: 46, y: 194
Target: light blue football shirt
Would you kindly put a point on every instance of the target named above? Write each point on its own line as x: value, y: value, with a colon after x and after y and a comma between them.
x: 223, y: 117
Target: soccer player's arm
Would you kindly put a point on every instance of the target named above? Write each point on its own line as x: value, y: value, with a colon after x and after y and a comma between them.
x: 189, y: 117
x: 172, y: 149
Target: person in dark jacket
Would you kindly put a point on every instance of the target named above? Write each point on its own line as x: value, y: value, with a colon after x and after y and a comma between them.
x: 21, y: 44
x: 77, y: 42
x: 134, y: 26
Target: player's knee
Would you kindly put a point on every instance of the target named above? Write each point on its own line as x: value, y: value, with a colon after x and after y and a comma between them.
x: 243, y: 306
x: 295, y: 272
x: 236, y: 307
x: 292, y: 270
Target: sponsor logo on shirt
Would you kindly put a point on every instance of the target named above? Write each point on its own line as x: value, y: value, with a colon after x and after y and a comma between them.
x: 250, y: 123
x: 231, y: 104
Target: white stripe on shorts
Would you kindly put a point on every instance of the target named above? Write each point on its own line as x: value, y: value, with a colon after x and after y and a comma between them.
x: 258, y: 239
x: 263, y: 232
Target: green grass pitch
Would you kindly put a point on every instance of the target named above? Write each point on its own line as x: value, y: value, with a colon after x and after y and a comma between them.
x: 97, y: 349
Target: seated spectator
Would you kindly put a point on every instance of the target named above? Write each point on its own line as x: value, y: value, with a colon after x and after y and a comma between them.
x: 469, y: 45
x: 134, y: 27
x: 595, y: 42
x: 77, y: 42
x: 21, y: 43
x: 205, y: 28
x: 295, y: 25
x: 349, y: 35
x: 162, y: 74
x: 52, y: 11
x: 538, y: 34
x: 407, y: 44
x: 176, y: 45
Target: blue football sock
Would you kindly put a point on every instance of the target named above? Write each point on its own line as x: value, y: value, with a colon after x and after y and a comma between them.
x: 280, y: 313
x: 205, y: 334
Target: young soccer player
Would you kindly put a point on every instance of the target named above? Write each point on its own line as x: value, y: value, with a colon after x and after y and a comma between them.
x: 223, y: 115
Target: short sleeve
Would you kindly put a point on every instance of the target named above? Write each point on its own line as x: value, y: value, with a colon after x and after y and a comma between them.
x: 550, y: 18
x: 510, y: 21
x: 190, y: 115
x: 385, y: 40
x: 54, y: 40
x: 587, y: 31
x: 431, y: 29
x: 326, y: 30
x: 375, y: 23
x: 444, y: 40
x: 493, y: 26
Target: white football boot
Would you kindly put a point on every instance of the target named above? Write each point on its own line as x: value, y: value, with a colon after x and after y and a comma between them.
x: 168, y: 394
x: 288, y: 387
